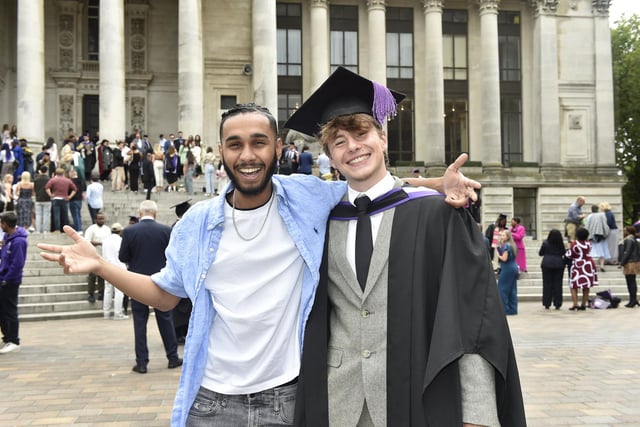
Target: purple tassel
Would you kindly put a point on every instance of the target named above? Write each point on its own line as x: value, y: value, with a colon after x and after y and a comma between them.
x: 384, y: 104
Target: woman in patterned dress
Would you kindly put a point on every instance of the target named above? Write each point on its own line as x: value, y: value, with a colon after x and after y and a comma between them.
x: 24, y: 207
x: 583, y: 269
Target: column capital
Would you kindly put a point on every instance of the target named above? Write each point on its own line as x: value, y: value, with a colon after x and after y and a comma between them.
x: 545, y: 7
x: 376, y: 4
x: 432, y: 5
x: 490, y: 6
x: 601, y: 6
x: 320, y: 3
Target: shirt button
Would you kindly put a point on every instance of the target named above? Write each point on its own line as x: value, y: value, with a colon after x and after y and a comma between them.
x: 366, y: 354
x: 365, y: 313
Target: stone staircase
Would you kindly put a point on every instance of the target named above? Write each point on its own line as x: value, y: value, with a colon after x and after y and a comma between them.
x: 47, y: 293
x: 530, y: 284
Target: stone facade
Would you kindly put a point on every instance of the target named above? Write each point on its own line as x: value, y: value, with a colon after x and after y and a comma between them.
x: 183, y: 59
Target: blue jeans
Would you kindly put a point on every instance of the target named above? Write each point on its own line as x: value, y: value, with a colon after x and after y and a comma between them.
x: 75, y: 206
x: 273, y: 407
x: 60, y: 213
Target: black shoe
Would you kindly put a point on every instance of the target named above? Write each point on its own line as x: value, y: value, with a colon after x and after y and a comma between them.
x: 175, y: 363
x: 574, y: 308
x: 632, y: 304
x: 91, y: 298
x: 546, y: 307
x: 558, y: 307
x: 139, y: 369
x: 602, y: 270
x: 582, y: 307
x: 100, y: 297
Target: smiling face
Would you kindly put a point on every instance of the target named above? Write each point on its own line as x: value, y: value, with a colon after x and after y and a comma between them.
x: 248, y: 150
x: 357, y: 149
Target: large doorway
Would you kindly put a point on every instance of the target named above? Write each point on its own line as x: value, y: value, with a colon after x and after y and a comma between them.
x: 90, y: 115
x: 524, y: 206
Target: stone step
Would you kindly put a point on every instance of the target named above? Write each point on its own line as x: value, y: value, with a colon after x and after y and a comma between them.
x: 52, y: 288
x: 27, y: 299
x: 39, y: 308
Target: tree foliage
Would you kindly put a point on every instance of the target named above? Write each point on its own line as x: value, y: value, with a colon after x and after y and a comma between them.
x: 625, y: 42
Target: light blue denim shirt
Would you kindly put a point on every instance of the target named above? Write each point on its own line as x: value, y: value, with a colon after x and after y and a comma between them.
x: 304, y: 203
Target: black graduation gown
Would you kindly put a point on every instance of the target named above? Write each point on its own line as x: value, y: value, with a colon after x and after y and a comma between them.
x: 443, y: 302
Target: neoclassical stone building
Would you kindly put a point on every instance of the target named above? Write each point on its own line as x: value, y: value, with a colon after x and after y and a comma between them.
x: 524, y: 86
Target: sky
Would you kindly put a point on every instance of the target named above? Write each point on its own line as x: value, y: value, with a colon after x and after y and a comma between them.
x: 626, y: 7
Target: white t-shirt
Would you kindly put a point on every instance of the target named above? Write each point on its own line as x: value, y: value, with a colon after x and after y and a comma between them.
x: 253, y: 342
x: 95, y: 233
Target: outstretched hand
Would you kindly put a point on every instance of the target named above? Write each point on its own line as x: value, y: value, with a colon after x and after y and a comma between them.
x: 457, y: 187
x: 80, y: 257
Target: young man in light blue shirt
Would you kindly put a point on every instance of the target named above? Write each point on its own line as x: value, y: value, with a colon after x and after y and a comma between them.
x: 251, y: 274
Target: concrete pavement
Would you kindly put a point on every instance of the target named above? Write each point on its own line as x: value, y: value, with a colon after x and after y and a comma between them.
x: 576, y: 368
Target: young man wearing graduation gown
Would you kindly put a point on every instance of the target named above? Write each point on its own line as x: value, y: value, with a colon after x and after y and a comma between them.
x: 420, y: 338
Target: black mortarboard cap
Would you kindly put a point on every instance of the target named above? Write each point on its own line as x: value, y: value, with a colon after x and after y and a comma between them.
x: 182, y: 207
x: 502, y: 216
x: 343, y: 93
x: 133, y: 219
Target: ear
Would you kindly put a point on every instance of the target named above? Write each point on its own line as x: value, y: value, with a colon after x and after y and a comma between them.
x: 383, y: 137
x: 279, y: 147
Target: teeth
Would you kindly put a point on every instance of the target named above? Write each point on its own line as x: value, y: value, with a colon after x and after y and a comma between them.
x: 357, y: 160
x: 249, y: 170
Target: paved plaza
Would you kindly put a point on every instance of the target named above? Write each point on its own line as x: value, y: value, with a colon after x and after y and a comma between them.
x: 577, y: 369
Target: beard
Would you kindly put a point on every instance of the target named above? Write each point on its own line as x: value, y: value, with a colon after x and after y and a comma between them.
x: 260, y: 186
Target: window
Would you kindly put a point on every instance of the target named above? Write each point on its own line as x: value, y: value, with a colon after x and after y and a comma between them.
x: 289, y: 22
x: 287, y: 104
x: 289, y: 39
x: 456, y: 133
x: 400, y: 133
x: 510, y: 86
x: 227, y: 102
x: 344, y: 37
x: 509, y: 45
x: 399, y: 43
x: 93, y: 30
x: 456, y: 91
x: 454, y: 44
x: 511, y: 128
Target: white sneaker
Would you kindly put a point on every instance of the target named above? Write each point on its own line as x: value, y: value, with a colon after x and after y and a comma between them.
x: 9, y: 348
x: 120, y: 317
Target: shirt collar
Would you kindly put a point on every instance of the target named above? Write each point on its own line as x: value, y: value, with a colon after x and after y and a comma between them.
x: 381, y: 187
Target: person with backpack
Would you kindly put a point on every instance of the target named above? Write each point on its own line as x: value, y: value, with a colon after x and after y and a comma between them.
x: 630, y: 261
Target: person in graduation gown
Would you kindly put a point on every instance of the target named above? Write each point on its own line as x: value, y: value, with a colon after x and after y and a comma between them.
x: 418, y: 336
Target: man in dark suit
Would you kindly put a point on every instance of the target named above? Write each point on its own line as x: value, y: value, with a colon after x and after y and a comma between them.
x: 142, y: 249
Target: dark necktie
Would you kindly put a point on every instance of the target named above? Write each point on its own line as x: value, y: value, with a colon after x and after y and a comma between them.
x: 364, y: 240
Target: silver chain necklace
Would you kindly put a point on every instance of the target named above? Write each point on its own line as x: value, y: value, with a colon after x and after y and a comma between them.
x: 233, y: 217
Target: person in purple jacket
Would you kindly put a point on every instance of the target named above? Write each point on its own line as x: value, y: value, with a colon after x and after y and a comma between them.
x: 12, y: 257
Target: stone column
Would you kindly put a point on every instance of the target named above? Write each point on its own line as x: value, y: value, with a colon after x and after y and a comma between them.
x: 605, y: 121
x: 490, y: 72
x: 431, y: 147
x: 30, y: 71
x: 190, y: 68
x: 265, y: 62
x: 545, y: 74
x: 112, y: 72
x: 320, y: 42
x: 377, y: 41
